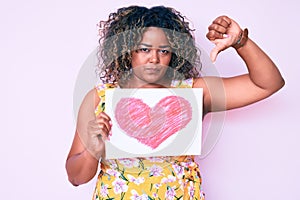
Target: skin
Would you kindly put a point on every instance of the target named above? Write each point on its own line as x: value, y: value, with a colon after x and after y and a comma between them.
x: 149, y: 64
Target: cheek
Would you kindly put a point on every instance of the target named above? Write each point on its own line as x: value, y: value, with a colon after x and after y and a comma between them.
x: 136, y: 61
x: 166, y: 60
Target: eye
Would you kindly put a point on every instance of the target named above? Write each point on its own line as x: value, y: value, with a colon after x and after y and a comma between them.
x: 164, y: 51
x: 143, y: 50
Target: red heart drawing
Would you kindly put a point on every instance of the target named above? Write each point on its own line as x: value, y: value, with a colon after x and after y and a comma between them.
x: 152, y: 126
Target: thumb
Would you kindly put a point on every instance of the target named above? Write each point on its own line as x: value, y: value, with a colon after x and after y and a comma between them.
x: 216, y: 50
x: 213, y: 54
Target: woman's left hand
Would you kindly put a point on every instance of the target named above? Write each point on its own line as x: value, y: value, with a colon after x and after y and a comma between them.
x: 224, y: 32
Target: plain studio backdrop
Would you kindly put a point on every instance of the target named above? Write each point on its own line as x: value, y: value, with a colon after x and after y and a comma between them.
x: 43, y: 47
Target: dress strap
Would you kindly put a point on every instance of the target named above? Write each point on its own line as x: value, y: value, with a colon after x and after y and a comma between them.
x: 186, y: 83
x: 100, y: 88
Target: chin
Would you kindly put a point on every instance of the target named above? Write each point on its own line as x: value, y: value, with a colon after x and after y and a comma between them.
x: 152, y: 85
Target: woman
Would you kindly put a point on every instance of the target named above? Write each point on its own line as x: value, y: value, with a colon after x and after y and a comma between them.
x: 155, y: 47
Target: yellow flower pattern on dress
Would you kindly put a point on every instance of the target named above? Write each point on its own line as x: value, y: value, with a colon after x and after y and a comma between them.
x: 150, y: 178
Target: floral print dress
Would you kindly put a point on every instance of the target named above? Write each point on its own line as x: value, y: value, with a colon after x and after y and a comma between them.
x: 151, y: 178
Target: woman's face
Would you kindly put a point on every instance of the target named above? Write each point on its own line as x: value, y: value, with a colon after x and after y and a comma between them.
x: 151, y: 59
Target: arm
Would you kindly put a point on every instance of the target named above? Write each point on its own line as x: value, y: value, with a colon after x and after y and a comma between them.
x: 81, y: 165
x: 87, y: 147
x: 263, y: 78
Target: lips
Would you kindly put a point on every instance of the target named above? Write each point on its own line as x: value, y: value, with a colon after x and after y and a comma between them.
x: 155, y: 69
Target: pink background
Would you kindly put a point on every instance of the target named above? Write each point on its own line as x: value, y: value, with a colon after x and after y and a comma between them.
x: 43, y: 46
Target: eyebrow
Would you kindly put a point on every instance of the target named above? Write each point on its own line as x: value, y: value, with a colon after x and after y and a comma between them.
x: 161, y: 46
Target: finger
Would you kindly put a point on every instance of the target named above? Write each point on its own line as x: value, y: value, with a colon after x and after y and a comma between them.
x: 99, y: 125
x: 217, y: 28
x: 104, y: 122
x: 223, y: 21
x: 99, y: 130
x: 213, y: 35
x: 104, y: 118
x: 103, y: 115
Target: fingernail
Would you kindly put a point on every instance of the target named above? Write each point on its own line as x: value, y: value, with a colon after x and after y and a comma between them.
x: 225, y: 36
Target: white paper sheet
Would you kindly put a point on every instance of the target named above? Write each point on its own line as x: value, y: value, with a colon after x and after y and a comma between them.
x: 154, y: 122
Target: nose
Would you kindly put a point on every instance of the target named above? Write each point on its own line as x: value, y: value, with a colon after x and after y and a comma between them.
x: 154, y: 57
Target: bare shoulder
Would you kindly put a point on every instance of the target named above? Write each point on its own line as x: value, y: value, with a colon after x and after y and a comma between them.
x: 90, y: 101
x: 209, y: 84
x: 199, y: 83
x: 214, y: 97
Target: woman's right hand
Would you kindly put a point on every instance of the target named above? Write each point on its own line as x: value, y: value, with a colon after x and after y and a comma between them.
x: 88, y: 146
x: 98, y: 130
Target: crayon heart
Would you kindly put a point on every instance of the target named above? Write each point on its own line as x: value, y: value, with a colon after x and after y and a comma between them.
x: 152, y: 126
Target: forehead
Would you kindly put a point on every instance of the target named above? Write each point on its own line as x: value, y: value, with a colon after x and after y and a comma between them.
x: 154, y: 36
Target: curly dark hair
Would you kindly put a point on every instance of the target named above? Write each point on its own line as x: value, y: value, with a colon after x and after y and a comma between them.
x: 123, y: 30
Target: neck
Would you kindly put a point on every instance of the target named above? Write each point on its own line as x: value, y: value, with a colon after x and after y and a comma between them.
x: 166, y: 83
